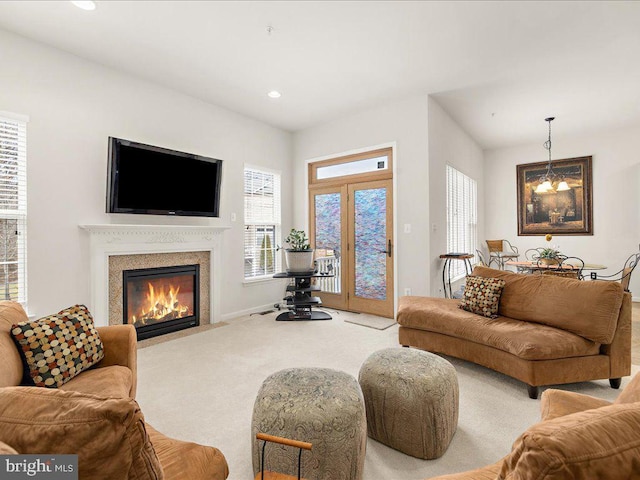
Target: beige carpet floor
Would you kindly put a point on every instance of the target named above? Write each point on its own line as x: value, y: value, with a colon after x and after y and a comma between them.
x: 202, y: 388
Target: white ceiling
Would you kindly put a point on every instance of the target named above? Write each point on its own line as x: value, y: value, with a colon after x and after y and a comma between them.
x: 499, y: 68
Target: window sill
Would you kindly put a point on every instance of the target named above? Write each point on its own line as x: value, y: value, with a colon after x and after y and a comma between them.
x: 263, y: 279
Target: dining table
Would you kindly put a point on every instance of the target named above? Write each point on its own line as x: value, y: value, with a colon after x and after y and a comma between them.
x: 532, y: 266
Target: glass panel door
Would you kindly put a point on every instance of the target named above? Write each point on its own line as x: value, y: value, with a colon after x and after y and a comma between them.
x: 371, y: 280
x: 328, y: 234
x: 351, y: 228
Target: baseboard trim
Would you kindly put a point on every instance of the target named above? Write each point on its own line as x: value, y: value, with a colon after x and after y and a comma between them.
x: 241, y: 313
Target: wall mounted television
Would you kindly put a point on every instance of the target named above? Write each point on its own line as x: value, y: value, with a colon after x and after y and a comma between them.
x: 157, y: 181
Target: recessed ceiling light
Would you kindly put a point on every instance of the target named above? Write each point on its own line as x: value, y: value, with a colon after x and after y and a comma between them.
x: 85, y: 5
x: 274, y: 94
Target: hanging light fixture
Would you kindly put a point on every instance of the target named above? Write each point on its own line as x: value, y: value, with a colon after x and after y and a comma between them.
x: 550, y: 178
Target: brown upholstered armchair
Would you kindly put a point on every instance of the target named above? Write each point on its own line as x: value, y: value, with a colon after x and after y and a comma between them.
x: 94, y: 415
x: 579, y: 437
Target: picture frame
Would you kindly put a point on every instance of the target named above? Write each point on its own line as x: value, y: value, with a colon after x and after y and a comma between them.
x: 568, y: 212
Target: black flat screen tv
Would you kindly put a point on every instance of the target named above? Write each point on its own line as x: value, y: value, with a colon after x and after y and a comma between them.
x: 158, y: 181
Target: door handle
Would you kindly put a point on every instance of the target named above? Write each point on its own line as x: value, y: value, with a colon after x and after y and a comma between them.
x: 388, y: 250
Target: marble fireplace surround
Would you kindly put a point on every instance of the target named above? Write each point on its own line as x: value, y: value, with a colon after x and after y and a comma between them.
x: 108, y: 240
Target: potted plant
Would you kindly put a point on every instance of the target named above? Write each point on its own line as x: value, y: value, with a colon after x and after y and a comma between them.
x: 299, y: 254
x: 549, y: 255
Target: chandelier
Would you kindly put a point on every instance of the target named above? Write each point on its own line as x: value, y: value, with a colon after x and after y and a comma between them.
x: 551, y: 181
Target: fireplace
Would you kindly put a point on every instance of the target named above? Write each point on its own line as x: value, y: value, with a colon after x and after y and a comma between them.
x: 162, y: 299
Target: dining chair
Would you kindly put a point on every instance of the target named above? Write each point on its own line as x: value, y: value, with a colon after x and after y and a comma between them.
x: 623, y: 275
x: 567, y: 267
x: 571, y: 267
x: 480, y: 258
x: 533, y: 254
x: 501, y: 251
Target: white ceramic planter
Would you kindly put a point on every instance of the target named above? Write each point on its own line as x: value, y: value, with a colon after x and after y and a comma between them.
x: 299, y: 261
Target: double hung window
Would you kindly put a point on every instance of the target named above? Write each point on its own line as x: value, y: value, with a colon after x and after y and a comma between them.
x: 13, y: 208
x: 462, y: 217
x: 261, y: 223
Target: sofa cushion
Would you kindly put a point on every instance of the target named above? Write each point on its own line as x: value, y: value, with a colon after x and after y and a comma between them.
x: 557, y: 403
x: 602, y: 443
x: 526, y: 340
x: 112, y: 381
x: 12, y: 371
x: 107, y: 434
x: 482, y: 295
x: 586, y: 308
x: 58, y: 347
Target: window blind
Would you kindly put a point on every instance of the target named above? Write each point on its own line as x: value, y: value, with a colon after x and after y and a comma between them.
x: 13, y: 209
x: 261, y: 222
x: 462, y: 217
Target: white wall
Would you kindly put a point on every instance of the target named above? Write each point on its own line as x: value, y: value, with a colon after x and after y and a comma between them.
x: 616, y: 196
x: 405, y: 123
x: 449, y: 144
x: 74, y: 105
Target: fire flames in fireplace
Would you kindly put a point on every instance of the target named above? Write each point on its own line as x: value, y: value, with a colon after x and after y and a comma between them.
x: 161, y: 300
x: 162, y: 304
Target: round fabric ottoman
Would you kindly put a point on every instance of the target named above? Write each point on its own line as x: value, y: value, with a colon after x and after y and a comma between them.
x: 411, y: 397
x: 316, y: 405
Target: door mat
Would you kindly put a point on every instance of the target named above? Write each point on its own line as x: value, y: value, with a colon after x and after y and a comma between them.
x: 371, y: 321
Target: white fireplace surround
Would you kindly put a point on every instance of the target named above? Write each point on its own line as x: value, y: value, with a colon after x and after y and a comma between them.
x: 112, y: 239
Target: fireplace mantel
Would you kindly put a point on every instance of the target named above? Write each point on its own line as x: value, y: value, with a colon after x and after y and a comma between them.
x: 114, y: 239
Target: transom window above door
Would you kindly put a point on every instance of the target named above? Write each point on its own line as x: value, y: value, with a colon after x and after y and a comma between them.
x: 365, y: 166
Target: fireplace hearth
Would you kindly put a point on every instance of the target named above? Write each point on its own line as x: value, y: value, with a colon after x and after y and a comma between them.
x: 161, y: 300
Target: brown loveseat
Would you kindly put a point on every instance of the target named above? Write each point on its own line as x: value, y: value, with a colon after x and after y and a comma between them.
x: 93, y: 415
x: 549, y: 331
x: 580, y: 437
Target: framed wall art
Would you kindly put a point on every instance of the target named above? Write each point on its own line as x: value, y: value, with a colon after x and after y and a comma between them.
x: 566, y: 208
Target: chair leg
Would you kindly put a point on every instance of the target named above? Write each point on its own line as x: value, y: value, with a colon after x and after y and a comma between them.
x: 615, y: 382
x: 533, y: 392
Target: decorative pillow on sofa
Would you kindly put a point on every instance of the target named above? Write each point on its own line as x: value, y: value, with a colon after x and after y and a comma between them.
x: 482, y: 295
x: 58, y: 347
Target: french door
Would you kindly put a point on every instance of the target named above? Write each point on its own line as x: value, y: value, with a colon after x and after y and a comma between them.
x: 351, y: 228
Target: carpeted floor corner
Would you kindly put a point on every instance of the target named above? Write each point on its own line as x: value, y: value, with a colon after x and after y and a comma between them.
x: 202, y: 388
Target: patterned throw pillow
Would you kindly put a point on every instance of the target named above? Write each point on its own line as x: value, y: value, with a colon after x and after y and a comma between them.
x: 58, y: 347
x: 482, y: 295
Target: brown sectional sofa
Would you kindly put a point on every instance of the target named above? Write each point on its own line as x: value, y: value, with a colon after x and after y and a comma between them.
x: 549, y: 331
x: 94, y: 415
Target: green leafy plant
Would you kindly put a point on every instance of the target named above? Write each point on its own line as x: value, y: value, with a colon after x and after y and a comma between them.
x: 549, y: 252
x: 297, y: 241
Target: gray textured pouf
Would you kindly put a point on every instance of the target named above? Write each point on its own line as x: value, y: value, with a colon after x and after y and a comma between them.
x: 317, y: 405
x: 411, y: 398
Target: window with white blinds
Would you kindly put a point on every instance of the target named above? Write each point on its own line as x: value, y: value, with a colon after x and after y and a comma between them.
x: 13, y: 209
x: 462, y: 217
x: 261, y: 222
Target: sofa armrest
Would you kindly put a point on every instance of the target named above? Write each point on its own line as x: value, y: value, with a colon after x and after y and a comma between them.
x: 121, y: 348
x: 107, y: 434
x: 190, y: 460
x: 558, y: 403
x: 619, y: 350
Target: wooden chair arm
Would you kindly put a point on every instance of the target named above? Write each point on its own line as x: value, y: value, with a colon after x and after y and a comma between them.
x: 284, y: 441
